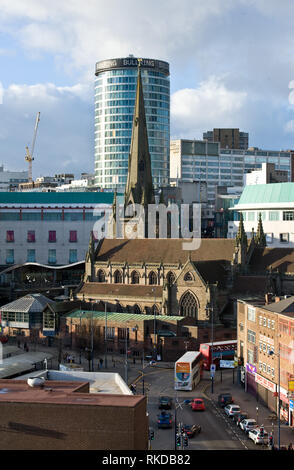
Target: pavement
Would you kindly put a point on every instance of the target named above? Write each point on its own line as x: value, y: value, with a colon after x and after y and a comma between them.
x: 248, y: 403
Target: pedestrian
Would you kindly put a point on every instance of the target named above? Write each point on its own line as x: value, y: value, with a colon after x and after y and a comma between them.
x: 141, y: 359
x: 134, y: 360
x: 290, y: 447
x: 25, y: 346
x: 101, y: 362
x: 18, y: 343
x: 113, y: 362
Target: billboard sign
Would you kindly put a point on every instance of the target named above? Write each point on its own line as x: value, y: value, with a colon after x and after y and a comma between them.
x: 227, y: 364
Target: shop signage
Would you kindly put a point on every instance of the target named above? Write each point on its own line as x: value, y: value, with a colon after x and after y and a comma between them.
x: 291, y: 405
x: 265, y: 383
x: 250, y: 368
x: 227, y: 364
x: 291, y: 385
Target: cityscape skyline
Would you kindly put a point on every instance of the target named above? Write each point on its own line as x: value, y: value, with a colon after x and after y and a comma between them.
x: 48, y: 63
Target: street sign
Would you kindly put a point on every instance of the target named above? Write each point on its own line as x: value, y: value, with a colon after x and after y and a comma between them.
x: 227, y: 364
x: 291, y: 404
x: 212, y: 367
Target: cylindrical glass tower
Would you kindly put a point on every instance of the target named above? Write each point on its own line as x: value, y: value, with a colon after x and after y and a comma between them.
x: 115, y: 91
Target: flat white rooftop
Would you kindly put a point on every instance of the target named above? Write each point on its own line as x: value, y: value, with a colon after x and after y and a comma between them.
x: 99, y: 382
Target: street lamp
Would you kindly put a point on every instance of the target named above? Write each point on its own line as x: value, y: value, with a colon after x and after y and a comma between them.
x: 257, y: 414
x: 105, y: 338
x: 154, y: 326
x: 209, y: 309
x: 271, y: 353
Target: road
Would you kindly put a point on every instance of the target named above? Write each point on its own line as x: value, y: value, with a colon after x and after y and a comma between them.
x: 218, y: 431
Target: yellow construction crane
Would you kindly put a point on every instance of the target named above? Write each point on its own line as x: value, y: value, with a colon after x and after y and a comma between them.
x: 29, y: 155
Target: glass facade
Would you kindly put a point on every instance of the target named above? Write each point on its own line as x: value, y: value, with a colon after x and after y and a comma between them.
x: 115, y: 91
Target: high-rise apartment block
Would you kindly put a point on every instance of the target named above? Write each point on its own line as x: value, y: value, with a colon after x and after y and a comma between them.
x: 228, y: 138
x: 115, y: 91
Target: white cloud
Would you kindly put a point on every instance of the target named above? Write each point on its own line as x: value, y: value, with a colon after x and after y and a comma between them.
x: 210, y: 105
x: 289, y: 127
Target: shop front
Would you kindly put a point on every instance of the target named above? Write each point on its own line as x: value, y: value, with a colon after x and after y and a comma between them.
x: 266, y: 391
x: 250, y: 379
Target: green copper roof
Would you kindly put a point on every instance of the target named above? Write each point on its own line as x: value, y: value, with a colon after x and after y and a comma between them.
x: 78, y: 197
x: 121, y: 317
x: 267, y: 193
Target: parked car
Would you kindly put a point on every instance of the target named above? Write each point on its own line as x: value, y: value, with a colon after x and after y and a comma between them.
x: 231, y: 410
x: 197, y: 404
x: 237, y: 418
x: 164, y: 420
x: 257, y: 436
x: 224, y: 399
x: 165, y: 403
x: 192, y: 429
x: 247, y: 424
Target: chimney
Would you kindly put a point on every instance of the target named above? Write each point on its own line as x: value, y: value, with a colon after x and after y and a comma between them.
x: 277, y: 299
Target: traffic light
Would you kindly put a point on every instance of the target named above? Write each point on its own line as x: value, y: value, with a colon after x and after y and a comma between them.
x: 185, y: 440
x: 178, y: 440
x: 151, y: 434
x: 261, y: 431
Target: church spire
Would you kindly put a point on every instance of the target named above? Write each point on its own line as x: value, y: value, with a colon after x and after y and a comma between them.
x: 139, y: 188
x: 241, y: 237
x: 260, y: 236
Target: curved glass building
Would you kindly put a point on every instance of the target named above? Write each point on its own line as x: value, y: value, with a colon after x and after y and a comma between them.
x: 115, y: 91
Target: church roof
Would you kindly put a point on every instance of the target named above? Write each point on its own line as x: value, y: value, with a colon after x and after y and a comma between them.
x: 129, y: 290
x: 168, y: 251
x: 275, y: 258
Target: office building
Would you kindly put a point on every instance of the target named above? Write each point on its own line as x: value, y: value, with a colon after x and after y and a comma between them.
x: 275, y: 203
x: 115, y: 90
x: 9, y: 180
x: 228, y: 138
x: 196, y: 160
x: 48, y: 227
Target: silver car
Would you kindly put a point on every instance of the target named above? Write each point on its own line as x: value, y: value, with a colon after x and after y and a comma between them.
x: 232, y: 410
x: 256, y: 436
x: 247, y: 424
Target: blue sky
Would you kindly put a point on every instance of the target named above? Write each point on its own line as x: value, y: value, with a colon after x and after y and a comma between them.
x: 231, y: 62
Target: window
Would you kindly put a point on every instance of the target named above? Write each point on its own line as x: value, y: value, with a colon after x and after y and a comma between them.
x: 273, y: 324
x: 260, y: 366
x: 264, y: 347
x: 31, y: 236
x: 73, y: 256
x: 101, y: 275
x: 241, y: 326
x: 170, y: 278
x: 268, y: 369
x: 152, y: 278
x: 117, y: 277
x: 73, y: 237
x: 188, y: 305
x: 52, y: 236
x: 188, y: 277
x: 9, y: 256
x: 273, y: 372
x: 52, y: 256
x: 31, y: 256
x: 269, y: 237
x: 268, y: 348
x: 268, y: 322
x: 264, y: 321
x: 288, y: 215
x: 264, y: 367
x: 260, y: 320
x: 250, y: 356
x: 284, y: 237
x: 260, y: 347
x: 274, y: 215
x: 135, y: 278
x: 10, y: 236
x: 251, y: 216
x: 251, y: 336
x: 251, y: 313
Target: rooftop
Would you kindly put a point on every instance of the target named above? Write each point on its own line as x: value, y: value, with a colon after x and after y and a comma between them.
x: 121, y: 317
x: 260, y: 194
x: 28, y: 304
x: 47, y: 198
x: 61, y: 393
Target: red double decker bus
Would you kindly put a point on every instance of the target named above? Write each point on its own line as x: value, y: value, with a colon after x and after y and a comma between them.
x: 221, y: 350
